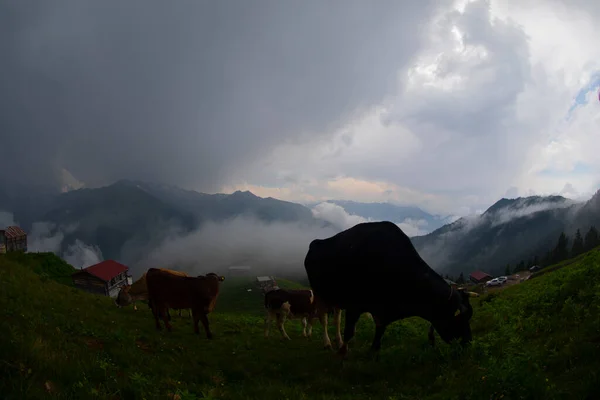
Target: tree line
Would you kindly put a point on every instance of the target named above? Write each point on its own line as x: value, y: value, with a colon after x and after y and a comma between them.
x: 564, y: 249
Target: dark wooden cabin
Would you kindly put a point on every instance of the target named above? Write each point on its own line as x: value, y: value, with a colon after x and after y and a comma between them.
x: 13, y: 238
x: 266, y: 283
x: 105, y: 278
x: 479, y: 277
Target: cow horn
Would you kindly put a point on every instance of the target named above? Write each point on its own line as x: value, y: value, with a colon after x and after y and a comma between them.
x: 221, y: 278
x: 472, y: 294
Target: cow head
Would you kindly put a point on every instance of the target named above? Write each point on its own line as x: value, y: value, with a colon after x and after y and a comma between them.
x: 454, y: 320
x: 123, y: 298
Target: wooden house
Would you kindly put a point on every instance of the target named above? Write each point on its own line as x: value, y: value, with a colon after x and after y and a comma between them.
x: 266, y: 283
x: 479, y: 277
x: 105, y: 278
x: 13, y: 238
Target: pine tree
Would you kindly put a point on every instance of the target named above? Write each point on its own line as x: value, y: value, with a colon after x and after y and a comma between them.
x: 507, y: 270
x: 461, y: 279
x: 561, y: 251
x: 535, y: 261
x: 591, y: 239
x: 577, y: 247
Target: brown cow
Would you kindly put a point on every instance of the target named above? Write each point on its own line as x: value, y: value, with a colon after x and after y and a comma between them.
x: 138, y: 291
x: 166, y: 291
x: 281, y: 304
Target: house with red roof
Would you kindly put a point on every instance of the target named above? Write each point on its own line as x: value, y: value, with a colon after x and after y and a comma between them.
x: 479, y: 277
x: 104, y: 278
x: 13, y: 238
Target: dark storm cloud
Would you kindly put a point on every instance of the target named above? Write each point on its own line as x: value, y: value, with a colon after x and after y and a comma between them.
x: 187, y: 91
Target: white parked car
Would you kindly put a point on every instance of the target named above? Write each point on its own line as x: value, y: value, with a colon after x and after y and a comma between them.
x: 495, y: 282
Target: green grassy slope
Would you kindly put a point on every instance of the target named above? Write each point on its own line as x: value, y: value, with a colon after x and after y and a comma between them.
x: 536, y: 340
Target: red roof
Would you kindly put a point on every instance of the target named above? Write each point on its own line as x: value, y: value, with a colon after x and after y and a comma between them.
x: 13, y: 232
x: 479, y: 275
x: 106, y: 270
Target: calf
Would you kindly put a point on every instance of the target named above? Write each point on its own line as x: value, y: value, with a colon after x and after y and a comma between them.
x: 166, y: 291
x: 281, y: 304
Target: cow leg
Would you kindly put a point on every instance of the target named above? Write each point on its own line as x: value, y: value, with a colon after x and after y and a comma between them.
x: 134, y: 306
x: 280, y: 322
x: 309, y: 322
x: 380, y: 327
x: 431, y: 336
x: 337, y: 317
x: 304, y: 322
x: 204, y: 319
x: 166, y: 318
x: 156, y: 314
x: 323, y: 320
x: 196, y: 315
x: 268, y: 319
x: 352, y: 317
x: 179, y: 313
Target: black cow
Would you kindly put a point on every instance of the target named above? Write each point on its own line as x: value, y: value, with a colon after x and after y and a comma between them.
x: 373, y: 267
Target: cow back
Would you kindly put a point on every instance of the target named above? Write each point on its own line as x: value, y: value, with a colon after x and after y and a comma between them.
x: 139, y: 287
x: 371, y: 263
x: 301, y: 301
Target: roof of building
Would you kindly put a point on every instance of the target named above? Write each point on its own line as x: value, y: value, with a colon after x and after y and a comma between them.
x: 106, y: 270
x: 264, y: 278
x: 479, y: 275
x: 240, y: 267
x: 13, y: 232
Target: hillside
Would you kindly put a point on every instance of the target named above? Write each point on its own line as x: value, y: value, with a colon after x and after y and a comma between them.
x: 114, y: 217
x: 536, y: 340
x: 218, y: 207
x: 507, y: 232
x: 129, y: 218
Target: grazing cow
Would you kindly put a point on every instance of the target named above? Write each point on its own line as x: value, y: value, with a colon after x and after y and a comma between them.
x: 166, y: 291
x: 373, y: 267
x: 138, y: 291
x: 281, y: 304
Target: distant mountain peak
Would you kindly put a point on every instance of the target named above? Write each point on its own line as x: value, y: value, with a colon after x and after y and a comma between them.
x: 522, y: 202
x: 244, y: 194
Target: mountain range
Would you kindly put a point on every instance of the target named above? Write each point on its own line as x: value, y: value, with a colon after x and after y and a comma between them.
x: 127, y: 219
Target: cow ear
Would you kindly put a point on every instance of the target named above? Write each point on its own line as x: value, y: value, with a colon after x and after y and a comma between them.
x: 457, y: 312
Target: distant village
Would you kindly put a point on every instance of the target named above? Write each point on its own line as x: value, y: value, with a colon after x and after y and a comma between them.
x: 107, y: 277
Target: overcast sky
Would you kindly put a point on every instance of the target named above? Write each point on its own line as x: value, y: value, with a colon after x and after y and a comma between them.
x: 445, y: 105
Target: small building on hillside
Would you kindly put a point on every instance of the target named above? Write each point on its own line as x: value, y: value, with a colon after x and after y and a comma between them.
x: 266, y: 283
x: 104, y: 278
x: 239, y: 270
x: 479, y: 277
x: 13, y: 238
